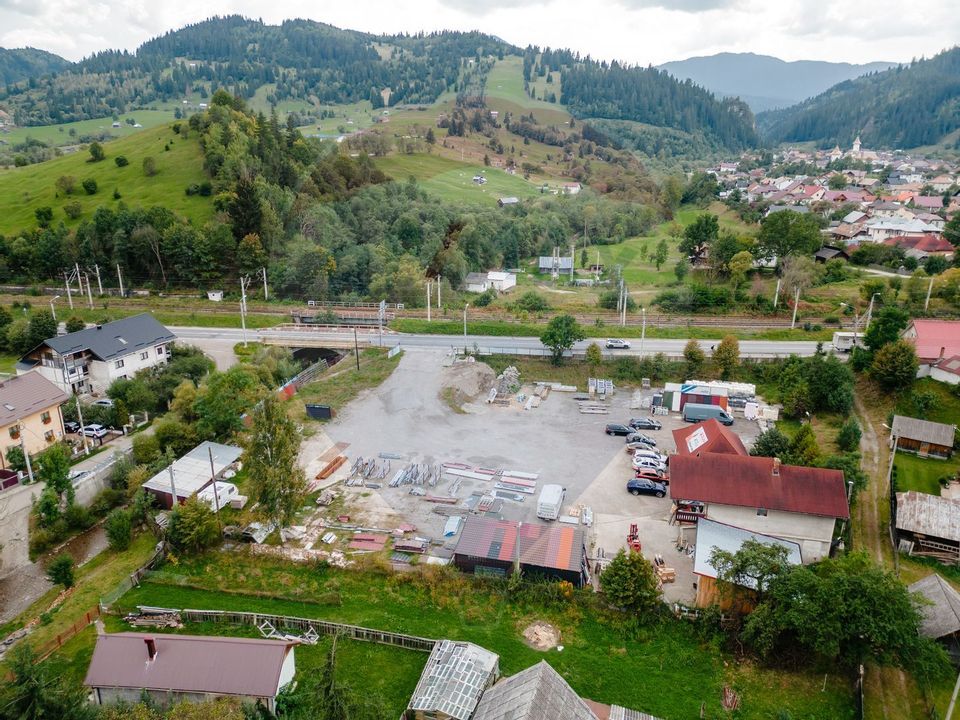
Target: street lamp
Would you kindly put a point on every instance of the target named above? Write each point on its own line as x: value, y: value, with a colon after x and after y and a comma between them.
x: 643, y: 331
x: 52, y: 311
x: 465, y: 319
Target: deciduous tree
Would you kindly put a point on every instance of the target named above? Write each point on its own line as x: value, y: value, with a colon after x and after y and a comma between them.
x: 562, y: 332
x: 727, y: 356
x: 695, y: 358
x: 895, y: 365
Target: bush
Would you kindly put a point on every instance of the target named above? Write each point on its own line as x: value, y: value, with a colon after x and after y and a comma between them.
x: 121, y: 160
x: 73, y: 210
x: 485, y: 298
x: 60, y: 571
x: 610, y: 298
x: 193, y: 527
x: 78, y: 517
x: 895, y: 365
x: 149, y: 166
x: 629, y: 583
x: 848, y: 439
x: 119, y: 530
x: 146, y: 449
x: 90, y: 186
x: 105, y: 501
x: 531, y: 301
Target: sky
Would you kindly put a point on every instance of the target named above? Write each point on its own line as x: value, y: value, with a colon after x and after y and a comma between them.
x: 635, y: 31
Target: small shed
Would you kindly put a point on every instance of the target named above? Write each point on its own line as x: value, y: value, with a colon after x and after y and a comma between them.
x: 537, y: 693
x: 192, y: 473
x: 504, y: 201
x: 452, y: 682
x: 928, y: 525
x: 941, y: 613
x: 925, y: 438
x: 829, y: 252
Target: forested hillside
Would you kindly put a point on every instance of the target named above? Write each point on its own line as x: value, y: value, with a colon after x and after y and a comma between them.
x: 304, y: 59
x: 26, y: 63
x: 905, y: 107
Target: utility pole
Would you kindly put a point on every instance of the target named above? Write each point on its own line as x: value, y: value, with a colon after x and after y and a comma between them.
x: 86, y: 446
x: 216, y: 494
x: 643, y: 332
x: 173, y: 490
x: 439, y: 306
x: 243, y: 306
x: 263, y: 274
x: 23, y: 449
x: 381, y: 312
x: 926, y: 303
x: 96, y: 269
x: 465, y: 319
x: 89, y: 291
x: 66, y: 281
x: 869, y: 313
x: 573, y: 254
x: 428, y: 301
x: 796, y: 302
x: 120, y: 279
x: 776, y: 295
x: 356, y: 349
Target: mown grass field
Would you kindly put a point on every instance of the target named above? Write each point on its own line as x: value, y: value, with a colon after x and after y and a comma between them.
x: 505, y: 82
x: 923, y: 474
x: 22, y: 190
x: 452, y: 181
x: 55, y: 135
x: 603, y: 658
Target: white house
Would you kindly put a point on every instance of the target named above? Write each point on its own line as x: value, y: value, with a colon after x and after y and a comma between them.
x: 498, y: 280
x: 760, y: 495
x: 90, y: 360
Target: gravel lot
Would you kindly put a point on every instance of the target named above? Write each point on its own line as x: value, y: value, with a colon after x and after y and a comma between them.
x: 407, y: 416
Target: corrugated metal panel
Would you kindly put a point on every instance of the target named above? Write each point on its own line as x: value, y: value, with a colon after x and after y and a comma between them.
x: 930, y: 515
x: 558, y: 546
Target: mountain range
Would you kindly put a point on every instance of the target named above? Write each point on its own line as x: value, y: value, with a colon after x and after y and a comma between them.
x: 765, y: 82
x: 26, y: 63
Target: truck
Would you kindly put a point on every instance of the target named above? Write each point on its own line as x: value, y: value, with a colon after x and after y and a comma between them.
x: 550, y: 501
x: 697, y: 412
x: 846, y: 341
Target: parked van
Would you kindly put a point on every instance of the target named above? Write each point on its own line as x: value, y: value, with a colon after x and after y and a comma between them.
x: 697, y: 412
x: 846, y: 341
x: 550, y: 501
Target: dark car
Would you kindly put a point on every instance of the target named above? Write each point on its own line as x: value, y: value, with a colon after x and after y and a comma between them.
x: 642, y: 486
x: 636, y: 437
x: 645, y: 423
x: 617, y: 429
x: 71, y: 427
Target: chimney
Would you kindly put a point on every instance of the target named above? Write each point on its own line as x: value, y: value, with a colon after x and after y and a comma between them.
x: 151, y: 647
x: 943, y: 351
x: 776, y: 467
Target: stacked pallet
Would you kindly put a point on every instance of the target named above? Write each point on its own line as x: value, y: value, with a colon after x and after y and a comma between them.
x: 371, y: 542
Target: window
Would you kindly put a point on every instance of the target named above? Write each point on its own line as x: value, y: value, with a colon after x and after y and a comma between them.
x: 161, y: 350
x: 49, y: 436
x: 762, y: 512
x: 15, y: 432
x: 118, y: 364
x: 144, y: 355
x: 45, y: 417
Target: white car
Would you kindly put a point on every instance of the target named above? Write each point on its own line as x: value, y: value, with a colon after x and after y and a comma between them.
x: 648, y: 463
x: 103, y: 402
x: 652, y: 454
x: 617, y: 344
x: 95, y: 431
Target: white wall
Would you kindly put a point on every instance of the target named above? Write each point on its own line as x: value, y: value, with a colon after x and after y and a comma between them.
x: 814, y: 533
x: 102, y: 374
x: 287, y: 670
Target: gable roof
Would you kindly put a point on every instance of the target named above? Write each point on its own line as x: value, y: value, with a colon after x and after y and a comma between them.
x: 708, y: 437
x: 923, y: 430
x: 537, y: 693
x: 931, y: 515
x: 188, y: 663
x: 950, y: 365
x: 712, y: 534
x: 454, y: 678
x: 550, y: 546
x: 933, y: 338
x: 24, y: 395
x: 942, y: 616
x: 193, y: 471
x: 114, y: 339
x: 751, y: 482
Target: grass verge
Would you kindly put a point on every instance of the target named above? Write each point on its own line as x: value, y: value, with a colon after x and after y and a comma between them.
x: 344, y: 382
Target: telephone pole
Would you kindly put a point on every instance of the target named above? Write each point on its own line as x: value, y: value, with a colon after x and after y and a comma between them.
x: 263, y: 274
x: 243, y: 306
x: 428, y: 301
x: 89, y: 291
x: 96, y: 269
x: 120, y: 279
x: 66, y: 282
x: 796, y: 304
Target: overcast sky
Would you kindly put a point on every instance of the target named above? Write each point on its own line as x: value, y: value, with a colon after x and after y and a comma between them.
x: 636, y: 31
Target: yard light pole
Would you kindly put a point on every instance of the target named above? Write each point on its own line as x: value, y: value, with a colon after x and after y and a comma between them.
x: 465, y: 319
x: 870, y: 312
x: 52, y: 311
x: 643, y: 331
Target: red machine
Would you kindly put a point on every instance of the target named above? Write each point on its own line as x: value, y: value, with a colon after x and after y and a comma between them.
x: 633, y: 538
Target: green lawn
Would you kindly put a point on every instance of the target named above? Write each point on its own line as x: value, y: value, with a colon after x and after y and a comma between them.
x: 505, y: 82
x: 24, y: 189
x: 923, y: 474
x: 56, y: 135
x: 344, y: 382
x: 8, y: 363
x: 946, y: 406
x: 452, y: 181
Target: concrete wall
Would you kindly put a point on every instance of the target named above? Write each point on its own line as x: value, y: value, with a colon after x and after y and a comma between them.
x: 111, y: 696
x: 814, y: 533
x: 15, y: 507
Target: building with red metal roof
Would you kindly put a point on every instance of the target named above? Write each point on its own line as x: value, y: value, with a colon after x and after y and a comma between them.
x: 494, y: 547
x: 708, y: 436
x: 174, y: 668
x: 934, y: 341
x: 759, y: 494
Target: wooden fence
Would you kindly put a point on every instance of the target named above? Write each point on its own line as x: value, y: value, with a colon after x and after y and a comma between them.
x: 303, y: 625
x: 54, y: 644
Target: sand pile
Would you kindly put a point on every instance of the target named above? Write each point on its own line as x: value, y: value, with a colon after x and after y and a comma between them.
x: 468, y: 380
x: 541, y: 636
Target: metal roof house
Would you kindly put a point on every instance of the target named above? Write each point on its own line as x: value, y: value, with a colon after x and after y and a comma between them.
x: 494, y: 547
x: 925, y: 438
x: 177, y: 668
x: 940, y: 614
x: 928, y: 525
x: 537, y: 693
x: 759, y: 494
x: 89, y: 360
x: 452, y: 682
x: 193, y: 472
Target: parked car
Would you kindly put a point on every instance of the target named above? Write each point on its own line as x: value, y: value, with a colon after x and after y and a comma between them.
x: 653, y: 454
x: 640, y: 437
x: 634, y: 446
x: 71, y: 427
x: 76, y: 476
x: 95, y: 431
x: 617, y: 344
x: 617, y: 429
x: 103, y: 402
x: 642, y: 486
x: 640, y: 463
x: 645, y: 423
x: 650, y: 474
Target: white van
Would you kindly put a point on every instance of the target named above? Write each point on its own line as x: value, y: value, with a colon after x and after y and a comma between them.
x: 550, y: 502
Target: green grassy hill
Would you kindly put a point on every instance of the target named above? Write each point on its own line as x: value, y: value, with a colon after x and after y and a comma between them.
x: 453, y: 181
x: 56, y: 135
x: 22, y: 190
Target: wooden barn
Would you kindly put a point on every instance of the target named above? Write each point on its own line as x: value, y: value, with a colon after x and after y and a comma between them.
x: 928, y: 525
x: 925, y: 438
x: 941, y: 614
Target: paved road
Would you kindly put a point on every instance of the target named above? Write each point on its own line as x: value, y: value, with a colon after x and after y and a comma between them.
x: 506, y: 345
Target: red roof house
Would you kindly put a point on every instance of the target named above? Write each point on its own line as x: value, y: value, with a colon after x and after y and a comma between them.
x: 708, y: 437
x: 934, y: 340
x: 759, y: 494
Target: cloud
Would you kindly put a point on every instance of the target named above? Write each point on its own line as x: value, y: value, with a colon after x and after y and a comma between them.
x: 685, y: 6
x: 479, y: 8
